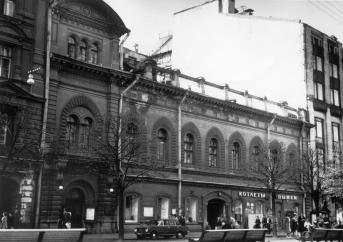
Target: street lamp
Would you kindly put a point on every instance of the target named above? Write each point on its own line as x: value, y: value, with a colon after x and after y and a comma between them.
x: 30, y: 79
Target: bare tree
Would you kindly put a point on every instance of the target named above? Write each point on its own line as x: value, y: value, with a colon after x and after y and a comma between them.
x: 272, y: 171
x: 123, y: 159
x: 312, y: 171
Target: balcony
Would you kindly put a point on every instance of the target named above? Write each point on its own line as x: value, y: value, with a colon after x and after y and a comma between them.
x: 319, y: 105
x: 336, y: 111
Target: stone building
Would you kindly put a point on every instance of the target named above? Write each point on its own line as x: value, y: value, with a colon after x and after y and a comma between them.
x: 205, y: 142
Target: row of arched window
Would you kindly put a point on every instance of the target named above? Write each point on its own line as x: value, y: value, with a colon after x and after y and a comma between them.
x: 83, y: 51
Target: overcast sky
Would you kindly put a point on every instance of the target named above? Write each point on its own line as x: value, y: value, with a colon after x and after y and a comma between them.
x: 147, y: 19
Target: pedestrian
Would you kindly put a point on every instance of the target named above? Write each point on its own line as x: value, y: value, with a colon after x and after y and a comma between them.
x: 257, y: 223
x: 60, y: 222
x: 264, y: 222
x: 301, y: 222
x: 294, y: 225
x: 67, y: 219
x: 3, y: 224
x: 182, y: 220
x: 16, y: 219
x: 269, y: 224
x: 307, y: 225
x: 326, y: 222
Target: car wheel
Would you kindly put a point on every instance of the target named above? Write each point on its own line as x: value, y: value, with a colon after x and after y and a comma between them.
x: 179, y: 235
x: 154, y: 235
x: 139, y: 236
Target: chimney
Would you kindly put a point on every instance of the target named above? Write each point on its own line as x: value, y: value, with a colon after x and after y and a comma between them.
x: 226, y: 6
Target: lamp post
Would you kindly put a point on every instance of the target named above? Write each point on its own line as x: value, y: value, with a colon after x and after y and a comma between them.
x: 30, y: 80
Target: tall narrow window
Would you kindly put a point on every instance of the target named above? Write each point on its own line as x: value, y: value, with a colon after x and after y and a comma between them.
x: 319, y: 129
x: 318, y: 63
x: 5, y: 61
x: 83, y: 50
x: 132, y: 131
x: 162, y: 138
x: 71, y: 47
x: 336, y: 146
x: 333, y: 70
x: 94, y: 55
x: 274, y: 156
x: 191, y: 208
x: 131, y: 209
x: 9, y: 7
x: 86, y: 127
x: 235, y: 154
x: 3, y: 128
x: 213, y: 152
x: 255, y: 155
x: 188, y: 149
x: 72, y: 131
x: 318, y: 91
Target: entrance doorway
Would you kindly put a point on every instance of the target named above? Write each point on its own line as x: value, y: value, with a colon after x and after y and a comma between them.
x: 75, y: 203
x: 9, y: 193
x: 215, y: 209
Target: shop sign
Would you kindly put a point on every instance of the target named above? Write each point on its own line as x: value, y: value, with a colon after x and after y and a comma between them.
x: 252, y: 194
x: 287, y: 197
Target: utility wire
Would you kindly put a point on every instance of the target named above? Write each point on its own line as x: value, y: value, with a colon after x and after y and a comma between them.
x: 332, y: 8
x: 324, y: 10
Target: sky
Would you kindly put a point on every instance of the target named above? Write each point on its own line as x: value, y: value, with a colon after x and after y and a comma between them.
x: 150, y: 19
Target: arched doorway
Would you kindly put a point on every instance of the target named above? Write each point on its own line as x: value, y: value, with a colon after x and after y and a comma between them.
x: 75, y: 203
x: 9, y: 193
x: 215, y: 209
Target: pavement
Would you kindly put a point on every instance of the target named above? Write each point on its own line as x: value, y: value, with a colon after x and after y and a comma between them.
x: 132, y: 237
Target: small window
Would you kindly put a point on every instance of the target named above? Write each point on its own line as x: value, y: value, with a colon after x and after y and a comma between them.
x: 94, y: 54
x: 83, y: 50
x: 213, y: 152
x: 318, y: 63
x: 5, y: 61
x: 319, y: 129
x: 333, y: 70
x: 9, y: 7
x: 71, y: 47
x: 162, y: 138
x: 188, y: 149
x: 235, y: 155
x: 335, y: 132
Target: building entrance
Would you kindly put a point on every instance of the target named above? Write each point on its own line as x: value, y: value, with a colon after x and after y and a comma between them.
x: 215, y: 209
x: 9, y: 193
x: 75, y: 203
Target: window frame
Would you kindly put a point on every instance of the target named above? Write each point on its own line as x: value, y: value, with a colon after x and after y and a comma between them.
x: 83, y: 50
x: 188, y: 148
x: 335, y: 97
x: 71, y: 47
x: 318, y: 63
x: 235, y: 155
x: 213, y: 152
x: 162, y: 141
x: 319, y: 92
x: 5, y: 54
x: 8, y: 8
x: 133, y: 209
x: 319, y: 136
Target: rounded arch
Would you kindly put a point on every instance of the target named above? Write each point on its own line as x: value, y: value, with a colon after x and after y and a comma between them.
x: 292, y: 148
x: 214, y: 132
x: 190, y: 128
x: 171, y: 149
x: 217, y: 195
x: 79, y: 101
x: 85, y: 187
x: 111, y: 18
x: 13, y: 32
x: 236, y: 137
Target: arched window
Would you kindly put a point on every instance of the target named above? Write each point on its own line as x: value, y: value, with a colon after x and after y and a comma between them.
x: 235, y: 154
x: 71, y: 47
x: 83, y: 50
x: 188, y: 149
x: 274, y: 155
x: 72, y: 131
x: 5, y: 61
x: 94, y: 54
x: 162, y: 137
x: 213, y: 152
x: 86, y: 127
x: 9, y: 6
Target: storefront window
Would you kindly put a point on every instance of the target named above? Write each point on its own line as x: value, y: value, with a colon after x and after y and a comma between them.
x: 238, y: 210
x: 250, y: 208
x: 259, y: 207
x: 131, y: 209
x: 191, y: 210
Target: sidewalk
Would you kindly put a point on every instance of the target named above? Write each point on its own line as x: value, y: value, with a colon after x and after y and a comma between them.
x: 132, y: 236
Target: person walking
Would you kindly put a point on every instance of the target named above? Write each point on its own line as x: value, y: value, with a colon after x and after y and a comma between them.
x: 294, y: 225
x: 10, y: 221
x: 3, y: 224
x: 257, y: 223
x: 288, y: 226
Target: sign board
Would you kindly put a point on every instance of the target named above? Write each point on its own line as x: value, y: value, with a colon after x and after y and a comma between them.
x: 90, y: 213
x: 148, y: 211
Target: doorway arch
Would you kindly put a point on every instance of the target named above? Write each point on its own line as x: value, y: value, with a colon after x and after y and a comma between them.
x: 215, y: 208
x: 79, y: 195
x: 9, y: 193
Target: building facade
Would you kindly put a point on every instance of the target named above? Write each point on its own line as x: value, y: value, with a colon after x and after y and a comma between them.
x: 205, y: 143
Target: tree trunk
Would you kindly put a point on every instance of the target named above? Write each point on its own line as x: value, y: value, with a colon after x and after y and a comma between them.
x: 274, y: 214
x: 121, y: 216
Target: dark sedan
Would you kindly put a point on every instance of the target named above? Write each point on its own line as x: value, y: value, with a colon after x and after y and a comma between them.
x: 161, y: 228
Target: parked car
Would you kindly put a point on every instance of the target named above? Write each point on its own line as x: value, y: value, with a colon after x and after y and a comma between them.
x: 161, y: 228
